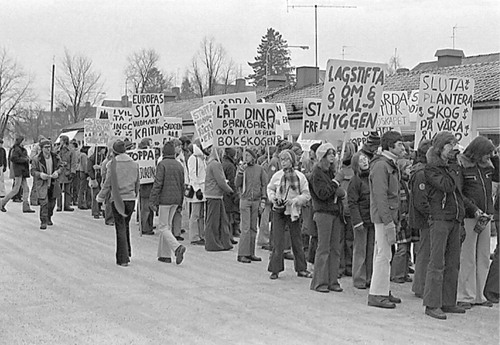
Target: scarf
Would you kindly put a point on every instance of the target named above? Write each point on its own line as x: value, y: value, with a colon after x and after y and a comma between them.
x: 119, y: 205
x: 290, y: 177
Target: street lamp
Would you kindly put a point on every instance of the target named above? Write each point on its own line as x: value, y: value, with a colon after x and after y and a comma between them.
x: 268, y: 51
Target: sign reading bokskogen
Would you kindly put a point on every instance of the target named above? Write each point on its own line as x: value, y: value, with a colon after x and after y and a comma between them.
x: 244, y: 125
x: 445, y: 104
x: 351, y: 96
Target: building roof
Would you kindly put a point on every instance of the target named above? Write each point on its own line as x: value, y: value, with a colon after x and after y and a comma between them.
x: 486, y: 76
x: 467, y: 60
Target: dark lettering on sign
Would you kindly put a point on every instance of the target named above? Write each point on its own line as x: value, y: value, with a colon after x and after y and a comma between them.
x: 147, y: 172
x: 147, y: 98
x: 356, y: 74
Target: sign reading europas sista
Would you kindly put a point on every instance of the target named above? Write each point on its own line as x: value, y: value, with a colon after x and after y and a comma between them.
x: 445, y: 104
x: 245, y: 125
x: 148, y: 117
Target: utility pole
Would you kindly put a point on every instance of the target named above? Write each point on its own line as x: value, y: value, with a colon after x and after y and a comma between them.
x: 52, y: 99
x: 316, y: 28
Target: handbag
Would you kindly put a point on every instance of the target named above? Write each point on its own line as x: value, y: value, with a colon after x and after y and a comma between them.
x: 188, y: 191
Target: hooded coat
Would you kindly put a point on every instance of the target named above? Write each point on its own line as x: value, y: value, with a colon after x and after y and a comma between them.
x: 197, y: 169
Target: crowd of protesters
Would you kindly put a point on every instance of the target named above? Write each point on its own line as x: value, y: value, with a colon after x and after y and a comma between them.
x: 378, y: 213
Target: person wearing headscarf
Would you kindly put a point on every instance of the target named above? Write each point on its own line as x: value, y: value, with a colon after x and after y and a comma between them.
x: 480, y: 167
x: 444, y: 193
x: 358, y: 194
x: 21, y: 169
x: 45, y: 169
x: 288, y: 190
x: 166, y: 196
x: 122, y: 184
x: 217, y: 233
x: 251, y: 180
x: 327, y: 195
x: 197, y: 168
x: 418, y: 216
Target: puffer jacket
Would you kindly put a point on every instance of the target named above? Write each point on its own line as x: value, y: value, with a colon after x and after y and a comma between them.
x: 197, y: 168
x: 358, y: 198
x: 384, y: 189
x: 477, y: 184
x: 419, y: 209
x: 168, y: 187
x: 444, y: 192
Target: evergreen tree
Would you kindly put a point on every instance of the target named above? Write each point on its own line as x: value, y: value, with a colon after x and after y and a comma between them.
x: 273, y: 58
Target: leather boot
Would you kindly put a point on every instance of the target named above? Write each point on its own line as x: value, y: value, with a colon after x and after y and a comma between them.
x: 380, y: 302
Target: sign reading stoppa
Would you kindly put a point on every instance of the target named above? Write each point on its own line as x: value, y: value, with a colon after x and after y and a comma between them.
x: 351, y: 96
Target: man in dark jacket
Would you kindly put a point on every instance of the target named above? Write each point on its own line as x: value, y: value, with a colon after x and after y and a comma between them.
x: 21, y: 166
x: 3, y: 168
x: 418, y: 216
x: 45, y: 170
x: 231, y: 201
x: 446, y: 215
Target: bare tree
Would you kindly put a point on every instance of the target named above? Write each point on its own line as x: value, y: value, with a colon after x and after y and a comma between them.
x: 79, y: 84
x: 31, y: 123
x: 210, y: 66
x: 15, y: 89
x: 394, y: 63
x: 144, y: 74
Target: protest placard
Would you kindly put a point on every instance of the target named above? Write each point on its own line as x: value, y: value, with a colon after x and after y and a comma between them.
x: 203, y: 124
x: 96, y: 132
x: 120, y: 118
x: 147, y: 164
x: 413, y: 105
x: 394, y: 112
x: 445, y: 104
x: 282, y: 123
x: 311, y: 123
x: 245, y: 125
x: 148, y: 117
x: 305, y: 144
x: 232, y: 98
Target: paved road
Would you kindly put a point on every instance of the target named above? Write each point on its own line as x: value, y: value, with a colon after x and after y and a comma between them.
x: 62, y: 286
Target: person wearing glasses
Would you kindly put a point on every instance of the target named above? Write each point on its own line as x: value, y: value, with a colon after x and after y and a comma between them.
x: 288, y: 190
x: 45, y: 169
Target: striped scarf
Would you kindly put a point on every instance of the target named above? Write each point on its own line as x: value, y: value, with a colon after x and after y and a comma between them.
x: 291, y: 179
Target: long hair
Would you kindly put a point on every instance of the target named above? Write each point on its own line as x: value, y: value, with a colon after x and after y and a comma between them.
x: 479, y: 147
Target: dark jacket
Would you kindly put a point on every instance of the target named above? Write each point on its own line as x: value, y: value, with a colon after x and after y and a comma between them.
x: 255, y: 179
x: 3, y: 159
x: 69, y: 164
x: 20, y: 161
x: 168, y: 187
x: 358, y: 197
x: 93, y: 173
x: 444, y: 193
x: 231, y: 201
x: 326, y: 194
x: 384, y: 190
x: 477, y: 185
x: 419, y: 210
x: 39, y: 165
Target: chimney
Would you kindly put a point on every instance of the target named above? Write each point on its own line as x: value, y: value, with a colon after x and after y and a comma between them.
x: 177, y: 91
x: 240, y: 85
x: 402, y: 70
x: 449, y: 57
x: 275, y: 81
x: 125, y: 101
x: 169, y: 96
x: 87, y: 104
x: 307, y: 75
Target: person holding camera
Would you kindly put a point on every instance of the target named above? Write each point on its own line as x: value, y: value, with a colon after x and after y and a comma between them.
x: 288, y: 190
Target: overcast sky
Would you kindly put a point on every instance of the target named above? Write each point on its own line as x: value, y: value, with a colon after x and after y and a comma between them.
x: 35, y: 32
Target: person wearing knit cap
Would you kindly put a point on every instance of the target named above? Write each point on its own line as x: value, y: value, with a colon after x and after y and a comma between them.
x: 418, y: 216
x: 251, y: 180
x: 384, y: 204
x: 327, y: 195
x: 480, y: 168
x: 231, y: 201
x: 166, y: 196
x: 45, y: 169
x: 21, y: 168
x: 122, y: 185
x: 288, y: 190
x: 447, y: 212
